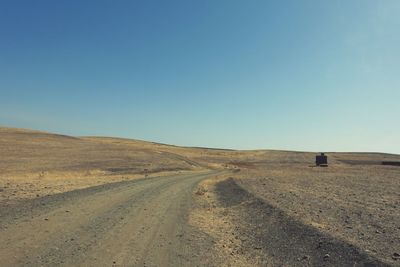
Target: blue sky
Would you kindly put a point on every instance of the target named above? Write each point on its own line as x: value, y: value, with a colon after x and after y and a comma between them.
x: 295, y: 75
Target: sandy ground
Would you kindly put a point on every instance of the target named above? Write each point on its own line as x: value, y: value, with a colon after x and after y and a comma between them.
x: 34, y: 164
x: 14, y: 188
x: 267, y: 208
x: 212, y: 218
x: 130, y: 223
x: 274, y: 213
x: 356, y: 204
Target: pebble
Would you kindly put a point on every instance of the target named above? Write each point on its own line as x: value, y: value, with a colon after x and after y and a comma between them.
x: 306, y: 257
x: 326, y: 257
x: 396, y: 256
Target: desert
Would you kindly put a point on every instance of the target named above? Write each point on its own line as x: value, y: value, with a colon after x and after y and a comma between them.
x: 85, y: 201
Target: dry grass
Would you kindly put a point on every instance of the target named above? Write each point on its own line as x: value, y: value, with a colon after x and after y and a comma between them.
x: 355, y: 199
x: 212, y: 219
x: 36, y: 163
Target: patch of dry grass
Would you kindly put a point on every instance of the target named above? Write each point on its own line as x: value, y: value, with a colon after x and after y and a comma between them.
x: 211, y: 218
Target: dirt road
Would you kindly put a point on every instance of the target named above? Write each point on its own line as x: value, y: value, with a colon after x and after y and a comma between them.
x: 130, y: 223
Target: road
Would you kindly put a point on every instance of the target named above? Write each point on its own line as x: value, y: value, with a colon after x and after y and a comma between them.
x: 131, y: 223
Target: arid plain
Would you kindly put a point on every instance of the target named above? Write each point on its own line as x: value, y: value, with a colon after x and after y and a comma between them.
x: 102, y: 201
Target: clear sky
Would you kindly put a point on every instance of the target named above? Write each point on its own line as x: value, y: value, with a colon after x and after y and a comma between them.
x: 295, y: 75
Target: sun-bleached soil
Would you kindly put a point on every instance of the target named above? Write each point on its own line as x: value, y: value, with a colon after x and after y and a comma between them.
x: 253, y: 208
x: 131, y: 223
x: 35, y: 164
x: 285, y: 212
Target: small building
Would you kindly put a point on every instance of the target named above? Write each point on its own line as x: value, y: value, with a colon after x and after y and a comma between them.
x: 321, y: 160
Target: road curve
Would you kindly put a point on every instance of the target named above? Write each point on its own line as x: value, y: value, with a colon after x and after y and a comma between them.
x: 130, y: 223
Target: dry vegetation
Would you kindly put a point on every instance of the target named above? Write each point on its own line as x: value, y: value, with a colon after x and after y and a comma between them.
x: 281, y: 210
x: 34, y: 163
x: 272, y: 207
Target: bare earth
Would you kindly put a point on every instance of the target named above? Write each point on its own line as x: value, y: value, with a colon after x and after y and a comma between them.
x: 295, y: 215
x: 96, y: 201
x: 132, y: 223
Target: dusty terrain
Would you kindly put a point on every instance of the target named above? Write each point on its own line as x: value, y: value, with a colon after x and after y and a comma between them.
x: 34, y: 164
x: 282, y: 212
x: 97, y: 201
x: 131, y: 223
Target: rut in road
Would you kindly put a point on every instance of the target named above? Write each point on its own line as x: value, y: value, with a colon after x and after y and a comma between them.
x: 136, y: 223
